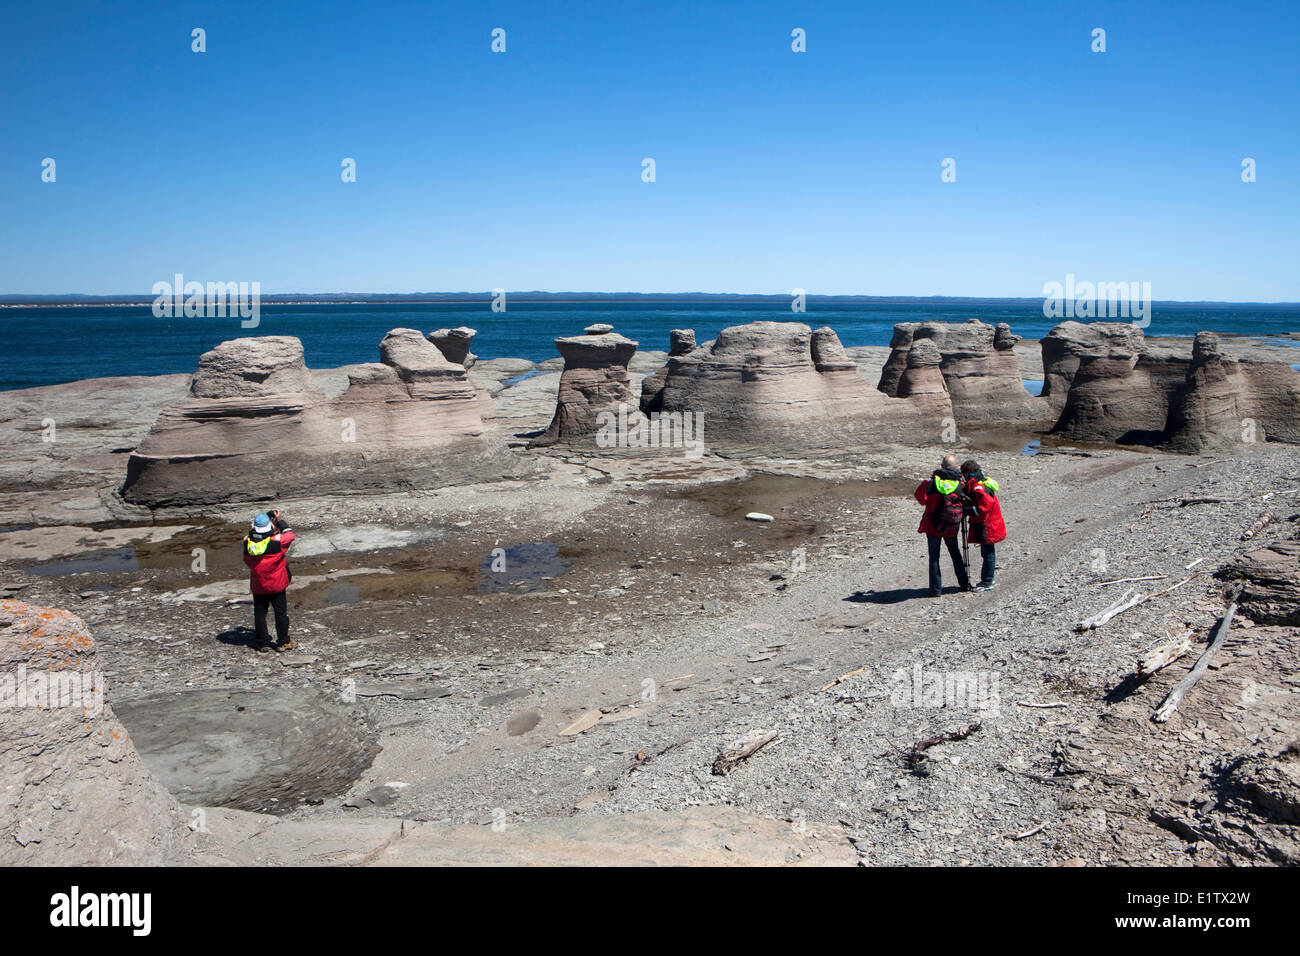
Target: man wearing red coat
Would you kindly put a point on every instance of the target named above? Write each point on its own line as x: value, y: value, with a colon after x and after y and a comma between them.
x: 266, y: 550
x: 986, y: 525
x: 940, y: 493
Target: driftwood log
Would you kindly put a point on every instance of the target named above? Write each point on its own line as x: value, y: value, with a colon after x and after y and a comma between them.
x: 1170, y: 704
x: 1158, y: 658
x: 1104, y: 615
x: 742, y: 749
x: 1260, y: 524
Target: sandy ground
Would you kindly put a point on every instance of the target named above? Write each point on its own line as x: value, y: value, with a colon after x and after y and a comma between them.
x: 581, y: 644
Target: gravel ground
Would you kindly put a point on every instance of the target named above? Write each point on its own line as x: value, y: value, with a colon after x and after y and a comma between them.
x: 690, y: 626
x: 672, y: 626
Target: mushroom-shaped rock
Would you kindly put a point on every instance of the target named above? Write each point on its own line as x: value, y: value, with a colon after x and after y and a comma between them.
x: 1224, y: 402
x: 595, y: 379
x: 1205, y: 346
x: 1068, y: 343
x: 455, y: 344
x: 788, y: 389
x: 412, y: 420
x: 896, y: 364
x: 828, y: 353
x: 923, y: 379
x: 1121, y: 388
x: 983, y: 377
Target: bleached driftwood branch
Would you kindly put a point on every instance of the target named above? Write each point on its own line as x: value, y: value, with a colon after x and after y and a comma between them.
x: 1166, y: 709
x: 1124, y: 603
x: 742, y: 749
x: 1158, y: 658
x: 1101, y: 617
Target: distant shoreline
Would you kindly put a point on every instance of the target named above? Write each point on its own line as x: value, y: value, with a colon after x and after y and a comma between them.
x: 75, y: 300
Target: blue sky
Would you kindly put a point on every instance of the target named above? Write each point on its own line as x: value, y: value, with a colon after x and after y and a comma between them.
x: 775, y: 169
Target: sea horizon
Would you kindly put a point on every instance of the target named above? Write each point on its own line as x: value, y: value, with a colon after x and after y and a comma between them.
x: 106, y: 339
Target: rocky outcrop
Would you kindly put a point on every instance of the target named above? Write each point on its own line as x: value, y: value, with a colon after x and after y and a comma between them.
x: 1270, y: 580
x: 979, y: 365
x: 784, y: 386
x: 681, y: 341
x: 1120, y: 387
x: 274, y: 367
x: 899, y: 345
x: 454, y: 344
x: 1069, y: 343
x: 1120, y: 391
x: 828, y: 354
x: 75, y: 792
x: 923, y: 379
x: 412, y: 420
x: 595, y: 379
x: 1226, y: 402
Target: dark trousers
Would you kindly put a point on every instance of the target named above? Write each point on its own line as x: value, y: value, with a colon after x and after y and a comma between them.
x: 278, y: 601
x: 936, y: 576
x: 990, y: 565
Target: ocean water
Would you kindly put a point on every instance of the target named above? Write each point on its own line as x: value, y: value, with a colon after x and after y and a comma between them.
x: 49, y: 345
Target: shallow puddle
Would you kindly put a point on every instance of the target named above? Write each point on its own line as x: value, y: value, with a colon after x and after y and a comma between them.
x: 521, y: 568
x: 107, y: 561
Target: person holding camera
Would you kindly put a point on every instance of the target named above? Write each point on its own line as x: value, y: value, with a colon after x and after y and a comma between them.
x: 266, y: 552
x: 942, y: 495
x: 986, y: 525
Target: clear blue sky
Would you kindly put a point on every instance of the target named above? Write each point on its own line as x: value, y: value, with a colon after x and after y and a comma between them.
x: 775, y: 170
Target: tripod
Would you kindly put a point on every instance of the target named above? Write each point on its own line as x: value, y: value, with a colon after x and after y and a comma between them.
x: 965, y: 545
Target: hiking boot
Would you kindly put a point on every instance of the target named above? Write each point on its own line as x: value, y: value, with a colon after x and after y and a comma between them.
x: 261, y: 648
x: 288, y: 645
x: 984, y: 586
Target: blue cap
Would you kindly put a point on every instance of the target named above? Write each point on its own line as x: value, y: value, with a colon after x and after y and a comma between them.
x: 262, y: 523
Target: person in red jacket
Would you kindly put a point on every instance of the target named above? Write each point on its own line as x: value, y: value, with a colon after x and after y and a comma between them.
x: 941, y: 495
x: 986, y: 525
x: 266, y: 550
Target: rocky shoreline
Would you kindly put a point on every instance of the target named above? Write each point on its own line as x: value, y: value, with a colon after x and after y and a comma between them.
x: 569, y: 707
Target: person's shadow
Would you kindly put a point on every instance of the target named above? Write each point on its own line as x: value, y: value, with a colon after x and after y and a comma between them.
x: 892, y: 596
x: 239, y: 637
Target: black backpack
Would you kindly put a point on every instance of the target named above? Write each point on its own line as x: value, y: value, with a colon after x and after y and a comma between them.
x: 948, y: 516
